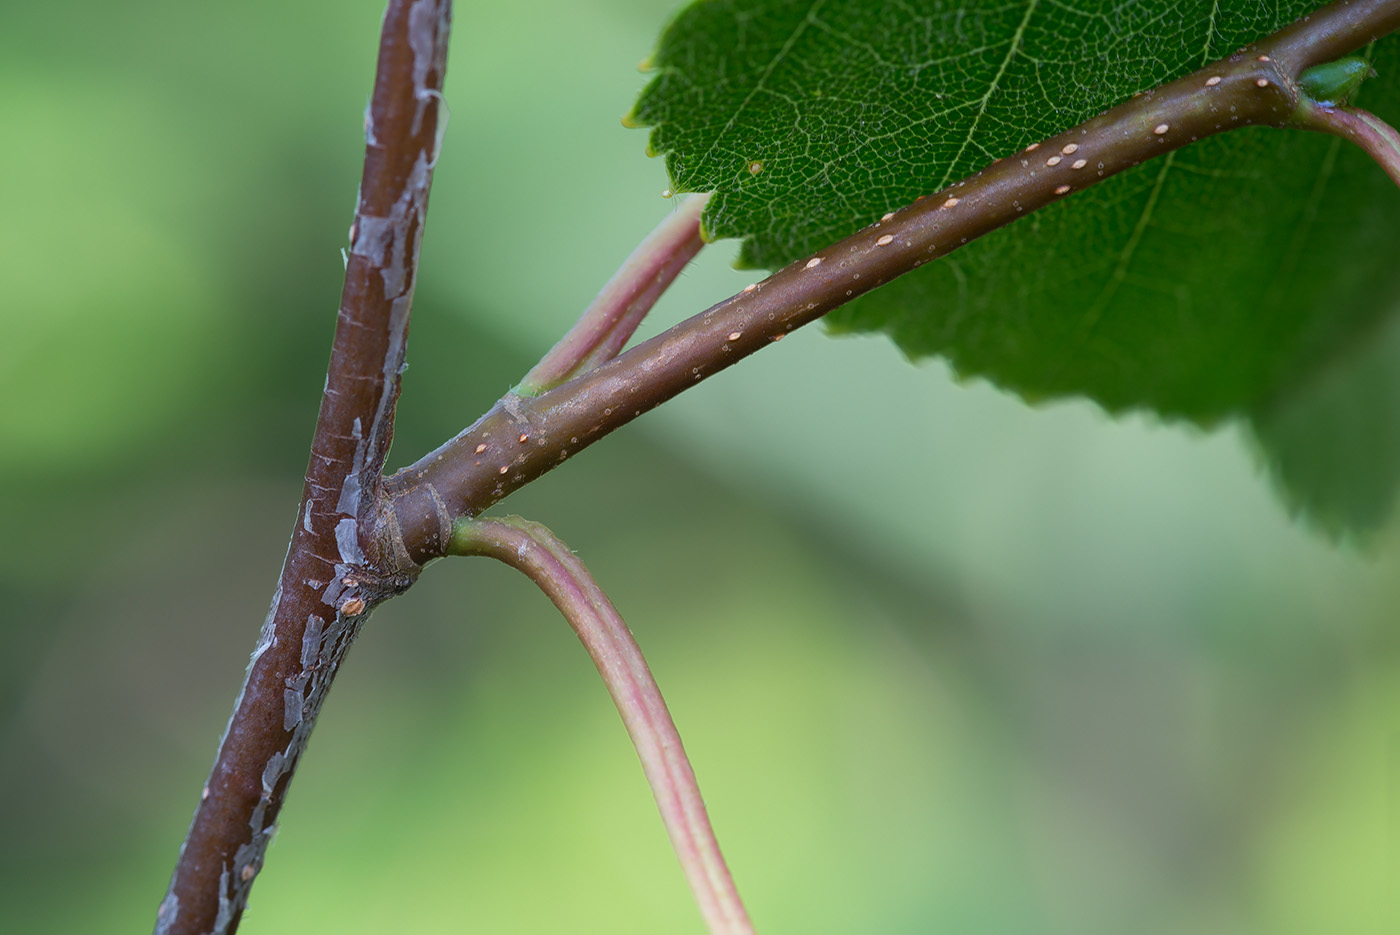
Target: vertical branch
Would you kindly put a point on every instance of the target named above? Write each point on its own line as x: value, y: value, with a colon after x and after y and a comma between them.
x: 339, y: 563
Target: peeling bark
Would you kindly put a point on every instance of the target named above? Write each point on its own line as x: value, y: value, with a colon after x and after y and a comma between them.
x: 343, y: 558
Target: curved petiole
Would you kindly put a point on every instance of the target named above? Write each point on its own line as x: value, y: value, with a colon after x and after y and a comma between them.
x: 1378, y: 138
x: 534, y: 550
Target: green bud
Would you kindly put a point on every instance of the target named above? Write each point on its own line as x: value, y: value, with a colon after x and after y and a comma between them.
x: 1333, y: 82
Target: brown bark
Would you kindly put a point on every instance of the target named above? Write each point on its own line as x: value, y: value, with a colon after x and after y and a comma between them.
x: 342, y: 560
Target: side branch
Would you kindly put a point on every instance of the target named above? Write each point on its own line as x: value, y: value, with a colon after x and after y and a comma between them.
x: 534, y: 550
x: 342, y: 559
x: 521, y: 439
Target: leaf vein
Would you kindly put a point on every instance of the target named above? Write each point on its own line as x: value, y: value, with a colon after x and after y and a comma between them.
x: 782, y: 52
x: 992, y: 88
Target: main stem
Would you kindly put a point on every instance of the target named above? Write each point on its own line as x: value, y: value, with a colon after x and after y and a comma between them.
x: 342, y: 559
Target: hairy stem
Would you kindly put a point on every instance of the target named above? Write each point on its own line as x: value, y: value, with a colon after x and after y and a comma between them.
x: 342, y: 559
x: 534, y: 550
x: 521, y: 439
x: 609, y: 321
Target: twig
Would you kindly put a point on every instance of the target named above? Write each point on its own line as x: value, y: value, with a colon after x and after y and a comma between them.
x: 519, y: 440
x: 534, y: 550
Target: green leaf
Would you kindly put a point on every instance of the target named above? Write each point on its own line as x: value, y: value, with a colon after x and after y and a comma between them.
x: 1201, y: 285
x: 1331, y: 444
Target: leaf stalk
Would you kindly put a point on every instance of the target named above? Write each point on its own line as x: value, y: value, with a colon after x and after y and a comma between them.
x: 539, y: 554
x: 1377, y: 138
x: 608, y: 323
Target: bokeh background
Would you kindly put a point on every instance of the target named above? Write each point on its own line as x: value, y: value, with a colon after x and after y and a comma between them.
x: 944, y: 662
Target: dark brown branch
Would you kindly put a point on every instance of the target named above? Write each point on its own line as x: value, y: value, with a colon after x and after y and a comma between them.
x: 520, y: 439
x: 342, y: 559
x: 1336, y: 30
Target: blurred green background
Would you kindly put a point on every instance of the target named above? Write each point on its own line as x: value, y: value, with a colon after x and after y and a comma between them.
x: 944, y: 663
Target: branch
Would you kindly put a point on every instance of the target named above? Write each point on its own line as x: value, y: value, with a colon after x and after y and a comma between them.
x: 519, y: 440
x: 343, y: 558
x: 1335, y: 30
x: 534, y: 550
